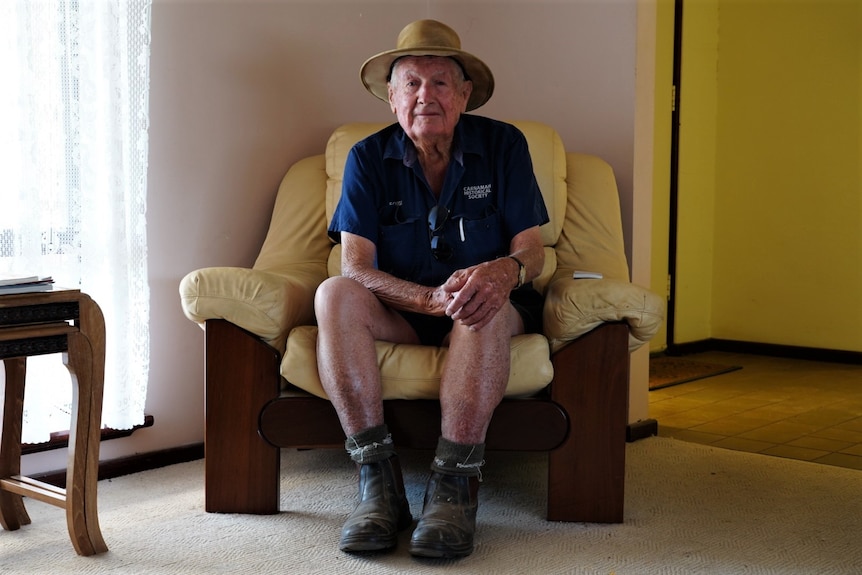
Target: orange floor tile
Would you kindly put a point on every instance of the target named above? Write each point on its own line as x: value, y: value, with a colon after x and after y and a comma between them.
x: 797, y: 409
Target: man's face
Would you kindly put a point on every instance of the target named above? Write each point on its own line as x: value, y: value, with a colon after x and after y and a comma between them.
x: 428, y: 94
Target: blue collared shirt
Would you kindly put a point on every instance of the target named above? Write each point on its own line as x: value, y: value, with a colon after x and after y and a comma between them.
x: 490, y: 192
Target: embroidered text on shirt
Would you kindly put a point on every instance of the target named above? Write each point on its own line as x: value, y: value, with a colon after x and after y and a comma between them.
x: 477, y: 192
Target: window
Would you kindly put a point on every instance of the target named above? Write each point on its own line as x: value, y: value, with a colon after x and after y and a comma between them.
x: 73, y: 159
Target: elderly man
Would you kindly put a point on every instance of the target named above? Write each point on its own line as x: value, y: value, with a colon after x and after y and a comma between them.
x: 439, y: 224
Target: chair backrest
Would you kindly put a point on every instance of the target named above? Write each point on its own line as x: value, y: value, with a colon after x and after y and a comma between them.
x: 592, y: 237
x: 584, y: 231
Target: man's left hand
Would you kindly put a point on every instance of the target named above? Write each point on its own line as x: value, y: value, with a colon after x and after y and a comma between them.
x: 479, y: 292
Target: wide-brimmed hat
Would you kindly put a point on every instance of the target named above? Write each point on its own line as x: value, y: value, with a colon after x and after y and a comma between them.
x: 428, y: 38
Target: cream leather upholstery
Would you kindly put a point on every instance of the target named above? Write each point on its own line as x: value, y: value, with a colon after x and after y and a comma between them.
x: 274, y: 299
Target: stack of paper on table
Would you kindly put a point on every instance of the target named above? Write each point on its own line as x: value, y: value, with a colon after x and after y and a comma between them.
x: 12, y: 284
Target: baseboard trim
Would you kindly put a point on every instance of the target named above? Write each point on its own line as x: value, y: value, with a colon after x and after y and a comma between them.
x: 133, y: 464
x: 767, y: 349
x: 641, y: 430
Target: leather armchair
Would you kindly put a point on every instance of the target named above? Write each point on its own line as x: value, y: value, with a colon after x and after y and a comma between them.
x: 568, y: 387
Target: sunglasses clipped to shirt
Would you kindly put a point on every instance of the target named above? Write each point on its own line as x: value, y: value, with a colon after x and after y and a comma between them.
x: 440, y: 248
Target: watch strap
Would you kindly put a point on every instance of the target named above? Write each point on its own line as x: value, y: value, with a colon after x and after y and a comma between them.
x: 522, y: 272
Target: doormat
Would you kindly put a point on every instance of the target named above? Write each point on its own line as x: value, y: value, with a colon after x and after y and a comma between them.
x: 666, y: 371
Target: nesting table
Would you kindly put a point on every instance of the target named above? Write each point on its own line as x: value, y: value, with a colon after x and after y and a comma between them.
x: 59, y: 321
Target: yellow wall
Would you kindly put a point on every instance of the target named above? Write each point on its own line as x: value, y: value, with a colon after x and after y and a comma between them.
x: 697, y: 171
x: 770, y: 233
x: 788, y: 213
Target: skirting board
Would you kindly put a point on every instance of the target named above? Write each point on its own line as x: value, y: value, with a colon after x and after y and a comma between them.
x: 641, y: 430
x: 766, y: 349
x: 133, y: 464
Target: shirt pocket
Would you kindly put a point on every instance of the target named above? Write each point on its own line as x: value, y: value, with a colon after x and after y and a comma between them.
x: 399, y: 249
x: 477, y: 240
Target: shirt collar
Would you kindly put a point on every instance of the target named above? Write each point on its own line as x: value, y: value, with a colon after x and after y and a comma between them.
x: 400, y: 147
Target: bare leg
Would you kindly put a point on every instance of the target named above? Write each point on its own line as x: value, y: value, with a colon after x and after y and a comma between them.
x: 350, y: 318
x: 475, y: 376
x: 473, y: 383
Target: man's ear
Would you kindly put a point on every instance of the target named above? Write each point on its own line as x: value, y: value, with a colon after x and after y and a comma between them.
x: 468, y: 90
x: 389, y: 96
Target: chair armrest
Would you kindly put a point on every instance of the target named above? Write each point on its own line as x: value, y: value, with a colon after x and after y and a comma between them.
x: 266, y: 303
x: 574, y: 307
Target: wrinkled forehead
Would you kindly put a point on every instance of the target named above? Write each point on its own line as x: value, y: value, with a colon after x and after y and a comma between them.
x: 427, y: 64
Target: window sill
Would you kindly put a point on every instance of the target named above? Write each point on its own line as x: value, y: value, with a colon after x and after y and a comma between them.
x: 60, y: 439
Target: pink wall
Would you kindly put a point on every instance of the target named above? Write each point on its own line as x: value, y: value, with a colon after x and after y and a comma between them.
x: 242, y: 89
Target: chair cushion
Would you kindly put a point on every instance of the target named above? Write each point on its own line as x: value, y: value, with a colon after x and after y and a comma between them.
x: 297, y: 228
x: 592, y: 236
x: 413, y: 371
x: 575, y: 306
x: 278, y: 293
x: 258, y: 301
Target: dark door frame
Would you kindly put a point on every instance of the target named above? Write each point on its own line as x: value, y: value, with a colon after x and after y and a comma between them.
x: 674, y: 174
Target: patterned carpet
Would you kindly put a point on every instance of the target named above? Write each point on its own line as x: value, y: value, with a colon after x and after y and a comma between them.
x: 690, y: 509
x: 665, y: 371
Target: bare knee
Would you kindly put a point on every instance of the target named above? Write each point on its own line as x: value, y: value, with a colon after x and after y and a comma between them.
x: 506, y: 324
x: 344, y: 306
x: 336, y: 294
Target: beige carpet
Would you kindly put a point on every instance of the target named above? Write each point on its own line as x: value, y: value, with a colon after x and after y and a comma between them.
x: 690, y: 509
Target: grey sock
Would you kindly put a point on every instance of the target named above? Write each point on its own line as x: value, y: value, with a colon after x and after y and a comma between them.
x: 459, y: 458
x: 370, y: 445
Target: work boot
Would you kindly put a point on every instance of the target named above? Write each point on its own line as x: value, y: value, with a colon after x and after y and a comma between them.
x: 382, y: 512
x: 448, y: 520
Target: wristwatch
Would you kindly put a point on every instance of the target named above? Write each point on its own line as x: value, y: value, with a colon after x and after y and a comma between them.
x: 522, y: 272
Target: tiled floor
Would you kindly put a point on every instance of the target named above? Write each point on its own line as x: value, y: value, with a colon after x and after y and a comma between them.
x: 784, y: 407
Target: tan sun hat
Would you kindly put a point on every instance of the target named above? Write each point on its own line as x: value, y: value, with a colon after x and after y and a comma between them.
x: 428, y: 38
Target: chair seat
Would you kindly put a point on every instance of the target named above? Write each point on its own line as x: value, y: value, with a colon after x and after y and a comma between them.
x: 413, y: 371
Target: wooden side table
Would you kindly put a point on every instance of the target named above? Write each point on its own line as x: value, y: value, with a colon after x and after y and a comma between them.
x: 70, y: 322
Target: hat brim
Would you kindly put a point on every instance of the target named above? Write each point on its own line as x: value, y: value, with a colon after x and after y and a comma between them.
x: 375, y: 70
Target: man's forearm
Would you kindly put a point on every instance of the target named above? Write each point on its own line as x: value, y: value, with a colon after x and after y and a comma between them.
x: 396, y: 293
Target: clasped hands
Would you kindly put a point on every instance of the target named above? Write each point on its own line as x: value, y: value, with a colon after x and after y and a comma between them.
x: 475, y: 294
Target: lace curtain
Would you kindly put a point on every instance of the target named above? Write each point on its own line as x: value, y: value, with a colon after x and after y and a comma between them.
x: 73, y: 160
